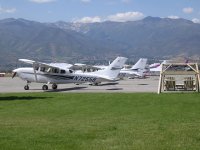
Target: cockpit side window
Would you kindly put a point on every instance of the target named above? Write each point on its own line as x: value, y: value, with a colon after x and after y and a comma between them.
x: 42, y: 69
x: 45, y: 69
x: 62, y: 71
x: 55, y: 70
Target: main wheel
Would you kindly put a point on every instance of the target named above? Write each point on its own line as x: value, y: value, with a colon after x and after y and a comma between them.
x: 26, y: 87
x: 45, y: 87
x: 96, y: 84
x: 54, y: 86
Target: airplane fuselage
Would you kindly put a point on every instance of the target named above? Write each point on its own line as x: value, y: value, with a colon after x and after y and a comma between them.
x: 28, y: 74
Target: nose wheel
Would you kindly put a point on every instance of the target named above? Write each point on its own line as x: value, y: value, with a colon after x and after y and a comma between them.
x: 45, y: 87
x: 26, y: 87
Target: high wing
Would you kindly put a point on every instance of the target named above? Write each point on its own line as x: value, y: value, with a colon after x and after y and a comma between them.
x: 51, y: 65
x: 32, y: 62
x: 76, y: 66
x: 28, y: 61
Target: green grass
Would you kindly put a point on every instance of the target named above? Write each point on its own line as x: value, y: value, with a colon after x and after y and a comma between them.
x: 57, y: 121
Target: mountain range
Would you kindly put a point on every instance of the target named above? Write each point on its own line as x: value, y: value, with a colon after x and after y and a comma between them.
x: 151, y: 37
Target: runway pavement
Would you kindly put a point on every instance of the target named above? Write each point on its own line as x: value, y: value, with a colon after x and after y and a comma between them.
x: 9, y: 85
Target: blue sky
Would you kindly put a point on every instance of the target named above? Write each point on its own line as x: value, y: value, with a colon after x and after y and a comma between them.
x: 98, y: 10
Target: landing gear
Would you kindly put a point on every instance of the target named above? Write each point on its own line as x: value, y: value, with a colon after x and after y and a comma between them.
x: 45, y: 87
x: 96, y: 84
x: 26, y: 87
x: 54, y: 86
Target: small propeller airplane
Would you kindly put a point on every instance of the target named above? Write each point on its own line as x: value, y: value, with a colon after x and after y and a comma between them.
x: 62, y: 73
x: 137, y: 70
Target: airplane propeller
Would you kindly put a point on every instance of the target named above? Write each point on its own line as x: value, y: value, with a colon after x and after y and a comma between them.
x: 14, y: 74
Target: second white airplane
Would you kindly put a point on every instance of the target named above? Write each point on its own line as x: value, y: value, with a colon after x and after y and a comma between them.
x: 137, y: 70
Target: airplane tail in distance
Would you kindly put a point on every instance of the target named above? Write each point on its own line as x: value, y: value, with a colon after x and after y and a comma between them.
x: 112, y: 71
x: 141, y: 64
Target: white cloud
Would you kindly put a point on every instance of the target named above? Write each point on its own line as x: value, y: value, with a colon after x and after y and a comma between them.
x: 119, y: 17
x: 42, y: 1
x: 188, y: 10
x: 89, y: 19
x: 127, y: 16
x: 7, y: 10
x: 195, y: 20
x: 173, y: 17
x: 86, y: 1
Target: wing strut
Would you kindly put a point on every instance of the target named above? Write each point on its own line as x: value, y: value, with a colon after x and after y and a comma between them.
x: 34, y: 65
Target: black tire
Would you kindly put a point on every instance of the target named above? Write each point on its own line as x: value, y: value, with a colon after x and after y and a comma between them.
x: 26, y: 87
x: 54, y: 86
x: 45, y: 87
x: 96, y: 84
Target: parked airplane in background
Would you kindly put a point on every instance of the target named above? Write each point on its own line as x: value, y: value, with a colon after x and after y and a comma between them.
x: 156, y: 70
x: 156, y: 67
x: 137, y: 70
x: 61, y: 74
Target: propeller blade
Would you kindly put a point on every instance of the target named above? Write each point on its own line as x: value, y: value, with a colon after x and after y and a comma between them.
x: 14, y: 74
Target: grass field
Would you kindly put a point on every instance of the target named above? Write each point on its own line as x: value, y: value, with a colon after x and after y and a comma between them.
x: 57, y: 121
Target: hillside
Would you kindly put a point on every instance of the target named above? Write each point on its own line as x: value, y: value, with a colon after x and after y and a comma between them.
x: 151, y: 36
x: 72, y: 42
x: 27, y: 39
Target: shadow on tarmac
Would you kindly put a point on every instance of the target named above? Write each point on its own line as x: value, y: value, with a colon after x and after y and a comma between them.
x: 13, y: 98
x: 104, y: 84
x: 113, y: 89
x: 66, y: 89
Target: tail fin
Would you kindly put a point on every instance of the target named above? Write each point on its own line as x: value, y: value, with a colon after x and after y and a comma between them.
x: 159, y: 67
x: 141, y: 64
x: 112, y: 71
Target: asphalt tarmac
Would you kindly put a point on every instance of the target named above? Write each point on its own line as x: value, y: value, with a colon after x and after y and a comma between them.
x: 16, y: 85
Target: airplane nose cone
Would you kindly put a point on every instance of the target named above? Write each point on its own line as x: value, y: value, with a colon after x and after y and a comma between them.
x: 14, y: 72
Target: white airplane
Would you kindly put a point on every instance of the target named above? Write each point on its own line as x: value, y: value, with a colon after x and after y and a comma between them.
x: 154, y: 65
x: 157, y: 67
x: 137, y: 70
x: 61, y: 73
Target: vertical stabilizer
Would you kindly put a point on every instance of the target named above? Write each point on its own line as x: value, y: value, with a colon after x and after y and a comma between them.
x: 141, y: 64
x: 112, y: 71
